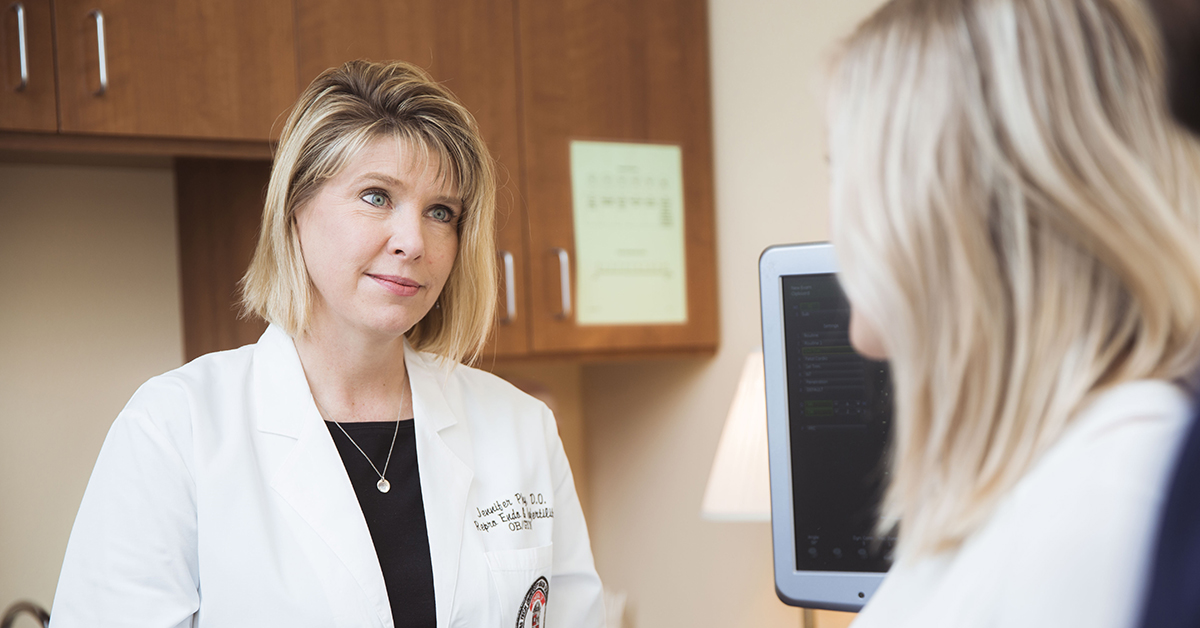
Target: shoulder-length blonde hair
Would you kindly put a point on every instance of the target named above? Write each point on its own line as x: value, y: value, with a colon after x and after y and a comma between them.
x: 1013, y: 207
x: 341, y: 112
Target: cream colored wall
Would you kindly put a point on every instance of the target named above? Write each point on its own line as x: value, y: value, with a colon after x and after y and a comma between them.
x: 89, y: 309
x: 653, y: 426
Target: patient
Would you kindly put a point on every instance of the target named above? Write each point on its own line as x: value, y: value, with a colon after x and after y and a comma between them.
x: 1016, y: 216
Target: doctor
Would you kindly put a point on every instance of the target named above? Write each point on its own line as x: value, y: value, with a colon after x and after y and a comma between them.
x: 346, y: 470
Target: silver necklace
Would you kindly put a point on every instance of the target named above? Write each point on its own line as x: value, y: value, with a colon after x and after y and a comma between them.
x: 383, y: 485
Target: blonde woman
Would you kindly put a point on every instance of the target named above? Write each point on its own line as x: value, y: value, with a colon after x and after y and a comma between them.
x: 346, y: 470
x: 1016, y: 218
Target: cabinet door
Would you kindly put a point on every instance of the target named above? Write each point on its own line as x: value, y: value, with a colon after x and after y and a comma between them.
x: 176, y: 68
x: 219, y: 203
x: 620, y: 70
x: 468, y: 46
x: 27, y: 100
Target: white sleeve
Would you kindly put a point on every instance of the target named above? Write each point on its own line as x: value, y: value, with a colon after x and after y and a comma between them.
x: 576, y: 597
x: 131, y: 559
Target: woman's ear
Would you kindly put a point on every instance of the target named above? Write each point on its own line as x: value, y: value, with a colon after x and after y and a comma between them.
x: 865, y: 336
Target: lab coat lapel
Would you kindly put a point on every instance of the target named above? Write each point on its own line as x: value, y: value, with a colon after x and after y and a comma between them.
x: 443, y: 445
x: 310, y: 475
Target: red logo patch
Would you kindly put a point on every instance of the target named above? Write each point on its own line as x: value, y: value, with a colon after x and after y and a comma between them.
x: 534, y: 605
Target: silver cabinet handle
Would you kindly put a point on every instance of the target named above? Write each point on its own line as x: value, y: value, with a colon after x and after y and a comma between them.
x: 510, y: 290
x: 103, y: 55
x: 564, y: 277
x: 22, y: 47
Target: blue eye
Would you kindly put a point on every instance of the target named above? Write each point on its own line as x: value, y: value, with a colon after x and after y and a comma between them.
x: 441, y: 213
x: 378, y: 199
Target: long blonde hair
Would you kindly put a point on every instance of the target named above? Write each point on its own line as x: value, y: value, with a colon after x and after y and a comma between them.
x: 342, y: 110
x: 1013, y: 207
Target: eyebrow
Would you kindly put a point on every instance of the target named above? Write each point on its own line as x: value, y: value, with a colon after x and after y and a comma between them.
x: 389, y: 180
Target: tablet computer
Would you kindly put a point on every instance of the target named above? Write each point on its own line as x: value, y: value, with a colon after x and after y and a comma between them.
x: 829, y: 416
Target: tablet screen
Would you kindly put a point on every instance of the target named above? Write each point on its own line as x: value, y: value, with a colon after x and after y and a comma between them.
x: 839, y: 409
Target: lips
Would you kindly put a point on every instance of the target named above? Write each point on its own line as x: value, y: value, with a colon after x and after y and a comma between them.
x: 399, y: 286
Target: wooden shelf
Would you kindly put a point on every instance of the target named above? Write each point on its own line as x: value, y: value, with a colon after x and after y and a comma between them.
x: 126, y: 145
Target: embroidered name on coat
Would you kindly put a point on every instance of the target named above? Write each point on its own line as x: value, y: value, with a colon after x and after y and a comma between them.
x: 514, y: 514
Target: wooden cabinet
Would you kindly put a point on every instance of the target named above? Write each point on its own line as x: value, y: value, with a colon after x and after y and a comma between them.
x: 27, y: 101
x: 204, y: 75
x: 623, y: 70
x: 184, y: 68
x: 208, y: 69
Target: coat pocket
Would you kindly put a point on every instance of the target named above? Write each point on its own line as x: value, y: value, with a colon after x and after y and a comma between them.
x: 520, y: 582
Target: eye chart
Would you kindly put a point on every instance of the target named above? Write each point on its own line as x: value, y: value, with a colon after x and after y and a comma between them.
x: 629, y: 237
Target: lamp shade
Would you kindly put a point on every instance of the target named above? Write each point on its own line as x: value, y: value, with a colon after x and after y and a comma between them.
x: 739, y: 486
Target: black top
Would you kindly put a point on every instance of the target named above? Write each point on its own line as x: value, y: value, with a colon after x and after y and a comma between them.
x: 396, y: 518
x: 1171, y: 600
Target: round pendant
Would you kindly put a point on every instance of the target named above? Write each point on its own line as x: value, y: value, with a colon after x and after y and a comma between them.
x: 383, y: 485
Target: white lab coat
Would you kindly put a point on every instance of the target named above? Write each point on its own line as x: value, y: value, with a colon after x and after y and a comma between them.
x: 219, y: 499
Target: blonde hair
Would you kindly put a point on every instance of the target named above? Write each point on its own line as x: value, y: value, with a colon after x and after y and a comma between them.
x: 1010, y: 197
x: 343, y: 110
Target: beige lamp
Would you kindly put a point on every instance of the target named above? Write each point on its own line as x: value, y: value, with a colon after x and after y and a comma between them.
x: 739, y: 486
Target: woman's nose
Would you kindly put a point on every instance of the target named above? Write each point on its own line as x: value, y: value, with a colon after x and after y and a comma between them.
x: 406, y: 239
